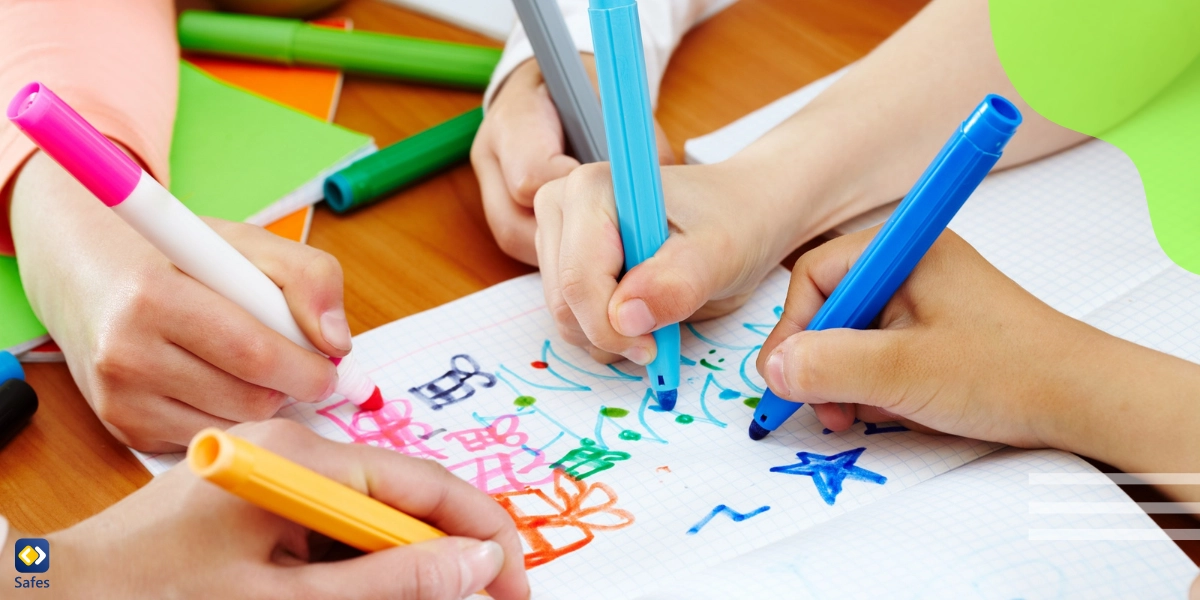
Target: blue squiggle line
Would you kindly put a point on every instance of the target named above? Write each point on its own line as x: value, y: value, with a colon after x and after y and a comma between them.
x: 512, y: 387
x: 686, y: 361
x: 759, y: 328
x: 642, y: 417
x: 704, y: 401
x: 733, y: 514
x: 712, y: 342
x: 742, y: 369
x: 571, y: 387
x: 548, y: 351
x: 623, y: 375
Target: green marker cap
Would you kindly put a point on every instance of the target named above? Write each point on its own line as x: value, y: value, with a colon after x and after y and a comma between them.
x: 403, y: 163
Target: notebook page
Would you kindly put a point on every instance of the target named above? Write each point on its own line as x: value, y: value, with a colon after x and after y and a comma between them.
x: 645, y: 478
x: 965, y: 534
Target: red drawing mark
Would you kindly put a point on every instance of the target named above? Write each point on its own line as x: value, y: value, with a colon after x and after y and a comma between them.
x: 663, y: 469
x: 498, y: 473
x: 389, y: 427
x: 571, y: 508
x: 481, y: 438
x: 538, y: 364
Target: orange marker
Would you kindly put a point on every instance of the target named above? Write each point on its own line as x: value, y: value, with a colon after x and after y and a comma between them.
x: 302, y: 496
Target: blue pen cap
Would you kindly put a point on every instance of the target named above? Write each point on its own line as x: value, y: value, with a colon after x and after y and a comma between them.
x: 10, y: 367
x: 992, y: 124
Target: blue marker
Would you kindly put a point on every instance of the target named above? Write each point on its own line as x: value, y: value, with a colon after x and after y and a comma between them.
x: 963, y: 162
x: 637, y: 185
x: 18, y: 401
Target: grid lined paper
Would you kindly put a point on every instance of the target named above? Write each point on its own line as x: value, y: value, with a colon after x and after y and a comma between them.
x: 965, y: 534
x: 1072, y: 229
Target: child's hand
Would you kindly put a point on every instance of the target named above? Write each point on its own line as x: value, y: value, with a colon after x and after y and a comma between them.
x: 960, y: 349
x: 181, y: 536
x: 520, y: 146
x: 158, y: 355
x: 725, y: 237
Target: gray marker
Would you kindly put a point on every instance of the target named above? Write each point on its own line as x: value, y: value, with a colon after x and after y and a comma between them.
x: 570, y: 89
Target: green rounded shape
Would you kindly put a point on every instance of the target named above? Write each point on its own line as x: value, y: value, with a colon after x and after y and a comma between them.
x: 629, y: 435
x: 587, y: 442
x: 614, y: 413
x: 751, y: 402
x: 524, y: 401
x: 684, y: 419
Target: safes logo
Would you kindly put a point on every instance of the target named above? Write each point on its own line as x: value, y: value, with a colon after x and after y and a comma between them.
x: 33, y: 555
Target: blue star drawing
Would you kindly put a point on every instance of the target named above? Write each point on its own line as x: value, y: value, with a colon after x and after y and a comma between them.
x: 828, y: 472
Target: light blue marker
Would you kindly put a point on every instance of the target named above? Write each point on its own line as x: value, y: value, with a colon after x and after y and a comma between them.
x: 637, y: 185
x: 918, y: 221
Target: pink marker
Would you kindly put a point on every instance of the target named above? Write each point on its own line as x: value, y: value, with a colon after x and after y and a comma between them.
x: 149, y: 208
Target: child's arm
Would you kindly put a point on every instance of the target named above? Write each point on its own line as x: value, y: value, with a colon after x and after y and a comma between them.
x: 181, y: 536
x: 520, y: 145
x: 860, y: 144
x: 157, y: 355
x: 962, y: 349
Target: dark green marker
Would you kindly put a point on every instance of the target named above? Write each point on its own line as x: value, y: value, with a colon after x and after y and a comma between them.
x: 402, y: 163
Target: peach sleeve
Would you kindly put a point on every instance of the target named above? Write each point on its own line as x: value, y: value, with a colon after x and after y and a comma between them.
x: 115, y: 61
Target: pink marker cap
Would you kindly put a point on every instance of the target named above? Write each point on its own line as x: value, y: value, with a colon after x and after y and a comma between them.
x: 73, y: 143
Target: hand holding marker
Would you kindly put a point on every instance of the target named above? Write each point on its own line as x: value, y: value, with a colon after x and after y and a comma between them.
x: 190, y: 244
x: 915, y: 225
x: 637, y: 183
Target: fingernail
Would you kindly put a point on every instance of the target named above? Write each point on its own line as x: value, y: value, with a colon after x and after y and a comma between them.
x: 480, y: 563
x: 639, y: 355
x: 775, y: 377
x: 336, y: 330
x: 634, y: 318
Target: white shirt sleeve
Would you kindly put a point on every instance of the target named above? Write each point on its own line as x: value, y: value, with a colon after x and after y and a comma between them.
x: 663, y: 24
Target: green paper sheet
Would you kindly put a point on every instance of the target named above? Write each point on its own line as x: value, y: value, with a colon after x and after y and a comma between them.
x: 233, y: 154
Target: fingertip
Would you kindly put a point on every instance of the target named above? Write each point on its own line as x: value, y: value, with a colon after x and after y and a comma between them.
x: 479, y: 564
x: 833, y: 416
x: 632, y: 318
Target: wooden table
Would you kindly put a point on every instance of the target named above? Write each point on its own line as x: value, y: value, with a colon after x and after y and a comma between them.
x: 430, y: 244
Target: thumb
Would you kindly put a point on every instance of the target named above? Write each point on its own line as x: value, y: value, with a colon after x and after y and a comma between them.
x: 448, y: 568
x: 666, y: 155
x: 311, y: 281
x: 668, y: 288
x: 840, y: 365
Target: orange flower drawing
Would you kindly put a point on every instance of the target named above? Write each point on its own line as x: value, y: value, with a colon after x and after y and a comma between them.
x: 555, y: 527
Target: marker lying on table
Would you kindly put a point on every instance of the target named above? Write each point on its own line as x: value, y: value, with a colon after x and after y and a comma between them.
x: 18, y: 401
x: 291, y: 41
x: 567, y: 80
x: 166, y: 223
x: 917, y: 222
x: 637, y: 183
x: 377, y: 175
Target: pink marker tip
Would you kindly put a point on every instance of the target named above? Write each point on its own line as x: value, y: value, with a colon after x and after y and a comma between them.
x: 375, y: 402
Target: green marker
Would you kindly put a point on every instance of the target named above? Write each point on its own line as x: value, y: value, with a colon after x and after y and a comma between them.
x: 402, y: 163
x: 290, y: 41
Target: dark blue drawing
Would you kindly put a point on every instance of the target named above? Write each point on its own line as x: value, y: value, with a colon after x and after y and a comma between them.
x: 828, y: 472
x: 452, y: 386
x: 721, y: 508
x: 874, y: 428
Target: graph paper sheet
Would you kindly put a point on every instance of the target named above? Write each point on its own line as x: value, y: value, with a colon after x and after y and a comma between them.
x: 513, y: 401
x: 965, y: 534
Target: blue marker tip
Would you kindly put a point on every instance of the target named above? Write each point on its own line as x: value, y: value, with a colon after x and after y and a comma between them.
x: 758, y: 432
x: 667, y: 399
